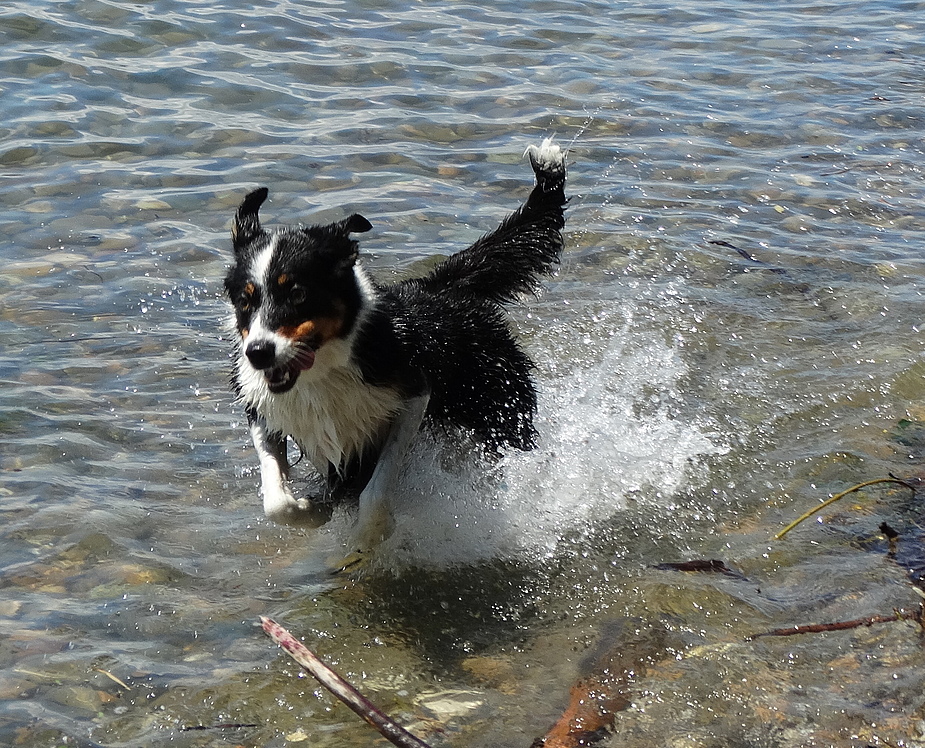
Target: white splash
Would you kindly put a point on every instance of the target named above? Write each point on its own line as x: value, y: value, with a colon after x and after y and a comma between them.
x: 605, y: 433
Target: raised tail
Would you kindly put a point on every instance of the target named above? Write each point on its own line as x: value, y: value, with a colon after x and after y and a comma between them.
x: 511, y: 259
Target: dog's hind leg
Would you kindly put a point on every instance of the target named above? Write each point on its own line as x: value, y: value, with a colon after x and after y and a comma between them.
x: 375, y: 517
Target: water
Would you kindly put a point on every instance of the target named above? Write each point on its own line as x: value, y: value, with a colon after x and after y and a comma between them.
x: 734, y: 335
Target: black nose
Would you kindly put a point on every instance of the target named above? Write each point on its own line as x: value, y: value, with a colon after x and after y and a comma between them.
x: 261, y: 353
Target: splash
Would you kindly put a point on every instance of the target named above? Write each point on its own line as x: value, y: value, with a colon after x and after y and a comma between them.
x: 607, y: 431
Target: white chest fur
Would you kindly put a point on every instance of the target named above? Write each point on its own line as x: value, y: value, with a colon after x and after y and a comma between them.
x: 330, y: 412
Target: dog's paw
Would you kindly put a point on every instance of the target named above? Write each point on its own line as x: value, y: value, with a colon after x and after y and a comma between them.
x: 279, y: 505
x: 284, y: 509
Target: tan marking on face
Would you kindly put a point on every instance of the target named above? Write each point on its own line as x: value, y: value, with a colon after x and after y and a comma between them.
x: 245, y: 332
x: 249, y: 288
x: 318, y: 331
x: 283, y: 279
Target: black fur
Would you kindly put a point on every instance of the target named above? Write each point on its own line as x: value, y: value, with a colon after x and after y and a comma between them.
x: 445, y: 334
x: 448, y: 332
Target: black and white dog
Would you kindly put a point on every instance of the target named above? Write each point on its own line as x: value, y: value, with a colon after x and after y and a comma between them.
x: 350, y: 369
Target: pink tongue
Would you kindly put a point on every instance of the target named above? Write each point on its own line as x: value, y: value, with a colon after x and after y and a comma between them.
x: 305, y: 360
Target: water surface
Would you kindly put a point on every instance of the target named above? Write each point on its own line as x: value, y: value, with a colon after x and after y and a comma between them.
x: 733, y: 336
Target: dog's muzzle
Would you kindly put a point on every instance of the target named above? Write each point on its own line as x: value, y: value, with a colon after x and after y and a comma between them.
x: 280, y: 378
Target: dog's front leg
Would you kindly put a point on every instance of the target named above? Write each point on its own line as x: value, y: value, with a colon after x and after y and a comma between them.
x: 375, y: 517
x: 279, y: 504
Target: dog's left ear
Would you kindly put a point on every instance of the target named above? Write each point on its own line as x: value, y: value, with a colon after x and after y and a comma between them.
x: 246, y: 226
x: 354, y: 224
x: 347, y: 249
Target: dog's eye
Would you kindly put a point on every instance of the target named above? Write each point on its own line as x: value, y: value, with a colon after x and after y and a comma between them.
x: 297, y: 295
x: 245, y: 300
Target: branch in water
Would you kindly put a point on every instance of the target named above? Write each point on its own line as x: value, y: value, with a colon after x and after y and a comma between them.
x: 841, y: 495
x: 385, y: 725
x: 816, y: 628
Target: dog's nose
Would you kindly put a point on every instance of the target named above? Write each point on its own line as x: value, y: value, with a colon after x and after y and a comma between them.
x: 261, y: 353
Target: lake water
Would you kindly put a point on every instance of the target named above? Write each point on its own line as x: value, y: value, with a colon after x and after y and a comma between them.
x: 734, y: 335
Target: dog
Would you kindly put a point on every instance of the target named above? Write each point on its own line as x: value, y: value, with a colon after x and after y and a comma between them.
x: 350, y: 369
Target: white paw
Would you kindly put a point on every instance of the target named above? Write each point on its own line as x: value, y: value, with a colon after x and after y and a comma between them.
x: 279, y: 505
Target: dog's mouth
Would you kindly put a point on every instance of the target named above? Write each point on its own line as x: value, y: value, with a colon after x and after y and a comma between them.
x: 283, y: 378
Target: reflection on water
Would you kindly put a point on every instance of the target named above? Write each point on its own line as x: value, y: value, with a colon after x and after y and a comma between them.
x: 732, y: 337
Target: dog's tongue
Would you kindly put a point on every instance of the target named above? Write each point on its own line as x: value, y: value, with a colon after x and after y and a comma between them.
x: 282, y: 378
x: 304, y: 360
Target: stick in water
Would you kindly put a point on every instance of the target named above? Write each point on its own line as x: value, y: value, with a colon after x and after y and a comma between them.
x: 817, y: 628
x: 386, y: 726
x: 839, y: 496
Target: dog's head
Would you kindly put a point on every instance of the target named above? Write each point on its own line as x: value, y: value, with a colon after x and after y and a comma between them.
x: 294, y: 289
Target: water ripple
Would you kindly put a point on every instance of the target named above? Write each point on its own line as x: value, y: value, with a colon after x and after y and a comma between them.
x: 734, y: 333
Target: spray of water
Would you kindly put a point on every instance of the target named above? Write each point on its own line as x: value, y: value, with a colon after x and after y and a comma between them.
x: 606, y: 432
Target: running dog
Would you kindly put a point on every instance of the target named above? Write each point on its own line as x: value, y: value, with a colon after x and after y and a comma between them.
x: 350, y: 368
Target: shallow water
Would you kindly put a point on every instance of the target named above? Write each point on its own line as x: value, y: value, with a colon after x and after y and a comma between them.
x: 733, y: 336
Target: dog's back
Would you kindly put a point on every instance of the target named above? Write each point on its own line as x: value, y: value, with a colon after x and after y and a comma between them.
x: 454, y: 331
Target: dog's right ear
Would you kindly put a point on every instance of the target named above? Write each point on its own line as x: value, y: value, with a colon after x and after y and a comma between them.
x: 246, y: 225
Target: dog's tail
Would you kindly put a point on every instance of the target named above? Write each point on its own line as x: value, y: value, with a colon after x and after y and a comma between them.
x: 510, y: 260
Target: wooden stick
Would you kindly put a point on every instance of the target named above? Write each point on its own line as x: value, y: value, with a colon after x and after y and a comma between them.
x: 838, y: 496
x: 816, y: 628
x: 386, y: 726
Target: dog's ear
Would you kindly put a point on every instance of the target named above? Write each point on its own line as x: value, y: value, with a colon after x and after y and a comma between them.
x: 354, y: 224
x: 246, y: 226
x: 344, y: 250
x: 333, y: 239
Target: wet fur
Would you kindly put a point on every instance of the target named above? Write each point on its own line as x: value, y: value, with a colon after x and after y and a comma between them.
x: 350, y: 368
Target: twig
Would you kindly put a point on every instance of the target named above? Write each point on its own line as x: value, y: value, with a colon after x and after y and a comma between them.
x: 746, y: 254
x: 223, y: 726
x: 386, y: 726
x: 838, y: 496
x: 816, y: 628
x: 113, y: 678
x: 708, y: 566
